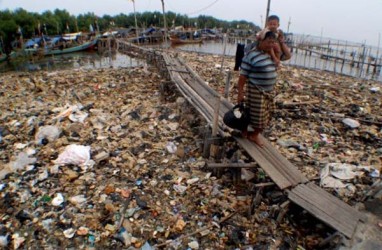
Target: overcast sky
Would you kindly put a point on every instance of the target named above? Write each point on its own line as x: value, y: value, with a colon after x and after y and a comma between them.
x: 352, y: 20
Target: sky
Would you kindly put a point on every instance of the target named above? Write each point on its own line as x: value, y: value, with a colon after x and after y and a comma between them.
x: 351, y: 20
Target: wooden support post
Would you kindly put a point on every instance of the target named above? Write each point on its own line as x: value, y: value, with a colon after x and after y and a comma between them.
x: 329, y: 239
x: 227, y: 85
x: 231, y: 165
x: 273, y: 211
x: 207, y: 143
x: 283, y: 210
x: 236, y: 176
x: 215, y: 126
x: 257, y: 199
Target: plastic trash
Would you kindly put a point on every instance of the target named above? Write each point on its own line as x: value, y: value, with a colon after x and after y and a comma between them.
x: 171, y: 147
x: 179, y: 188
x: 247, y: 175
x: 375, y: 89
x: 338, y: 175
x: 67, y: 111
x: 49, y: 133
x: 91, y: 240
x: 17, y: 240
x: 193, y: 245
x: 69, y: 233
x: 78, y: 116
x: 75, y: 154
x: 147, y: 246
x: 78, y: 200
x: 351, y: 123
x: 58, y: 200
x: 4, y: 240
x: 21, y: 162
x: 124, y: 237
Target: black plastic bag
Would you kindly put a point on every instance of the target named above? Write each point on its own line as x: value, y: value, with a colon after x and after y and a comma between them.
x: 237, y: 117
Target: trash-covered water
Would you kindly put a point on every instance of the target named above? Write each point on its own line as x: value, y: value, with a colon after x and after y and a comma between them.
x: 299, y: 58
x: 89, y: 60
x: 85, y: 60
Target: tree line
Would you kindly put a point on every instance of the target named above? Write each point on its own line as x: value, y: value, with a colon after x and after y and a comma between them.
x: 23, y: 24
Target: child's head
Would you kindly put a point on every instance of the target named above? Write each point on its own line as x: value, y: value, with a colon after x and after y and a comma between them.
x: 273, y: 22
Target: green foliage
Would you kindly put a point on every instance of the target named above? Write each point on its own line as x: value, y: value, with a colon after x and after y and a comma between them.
x: 58, y: 22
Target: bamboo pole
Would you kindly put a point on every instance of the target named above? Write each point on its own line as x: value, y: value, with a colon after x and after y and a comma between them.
x: 227, y: 85
x: 224, y: 50
x: 231, y: 165
x: 136, y: 23
x: 267, y: 14
x: 164, y: 22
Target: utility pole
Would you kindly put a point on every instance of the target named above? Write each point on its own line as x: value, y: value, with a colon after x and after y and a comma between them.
x: 289, y: 22
x: 165, y: 22
x: 268, y: 7
x: 136, y: 25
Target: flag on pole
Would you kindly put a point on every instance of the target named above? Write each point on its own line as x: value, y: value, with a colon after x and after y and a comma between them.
x: 91, y: 28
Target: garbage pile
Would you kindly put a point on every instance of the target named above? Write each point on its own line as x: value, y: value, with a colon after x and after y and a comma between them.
x: 96, y: 159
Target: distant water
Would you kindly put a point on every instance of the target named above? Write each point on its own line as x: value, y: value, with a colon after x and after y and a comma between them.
x: 77, y: 60
x: 299, y: 59
x: 116, y: 60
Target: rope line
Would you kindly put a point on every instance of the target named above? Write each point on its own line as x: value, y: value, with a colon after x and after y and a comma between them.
x: 200, y: 10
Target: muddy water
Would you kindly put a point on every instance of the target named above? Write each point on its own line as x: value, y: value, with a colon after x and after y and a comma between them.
x: 298, y: 59
x: 73, y: 60
x: 115, y: 60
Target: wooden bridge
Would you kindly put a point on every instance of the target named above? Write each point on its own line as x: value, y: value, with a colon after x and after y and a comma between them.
x: 286, y: 176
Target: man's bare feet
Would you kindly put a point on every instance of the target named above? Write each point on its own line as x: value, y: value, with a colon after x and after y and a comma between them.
x: 256, y: 139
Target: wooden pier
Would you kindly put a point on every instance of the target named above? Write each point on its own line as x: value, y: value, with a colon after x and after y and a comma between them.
x: 285, y: 175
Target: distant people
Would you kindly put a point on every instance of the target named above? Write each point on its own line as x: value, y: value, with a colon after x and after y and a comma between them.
x: 280, y: 51
x: 258, y: 74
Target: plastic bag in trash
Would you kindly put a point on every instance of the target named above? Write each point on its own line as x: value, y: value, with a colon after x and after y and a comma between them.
x: 49, y: 132
x: 77, y: 155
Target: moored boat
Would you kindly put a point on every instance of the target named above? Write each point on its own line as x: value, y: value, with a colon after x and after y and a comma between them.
x: 177, y: 40
x: 61, y: 50
x: 60, y: 45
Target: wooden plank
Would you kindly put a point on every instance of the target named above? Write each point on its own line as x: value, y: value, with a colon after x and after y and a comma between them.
x: 285, y: 169
x: 283, y: 164
x: 254, y: 152
x: 316, y: 202
x: 340, y: 203
x: 322, y: 216
x: 192, y: 98
x: 319, y: 200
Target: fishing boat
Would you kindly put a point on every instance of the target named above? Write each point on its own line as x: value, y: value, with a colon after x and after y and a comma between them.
x: 179, y: 40
x: 62, y: 50
x: 58, y: 45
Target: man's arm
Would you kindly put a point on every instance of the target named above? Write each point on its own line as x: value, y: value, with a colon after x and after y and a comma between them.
x: 286, y: 55
x: 240, y: 88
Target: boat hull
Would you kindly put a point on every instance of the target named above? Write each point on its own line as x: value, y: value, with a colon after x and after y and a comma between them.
x: 85, y: 46
x: 178, y: 41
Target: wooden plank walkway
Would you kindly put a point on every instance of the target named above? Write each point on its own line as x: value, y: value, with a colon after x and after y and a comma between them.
x: 277, y: 167
x: 326, y: 207
x: 203, y: 98
x: 315, y: 200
